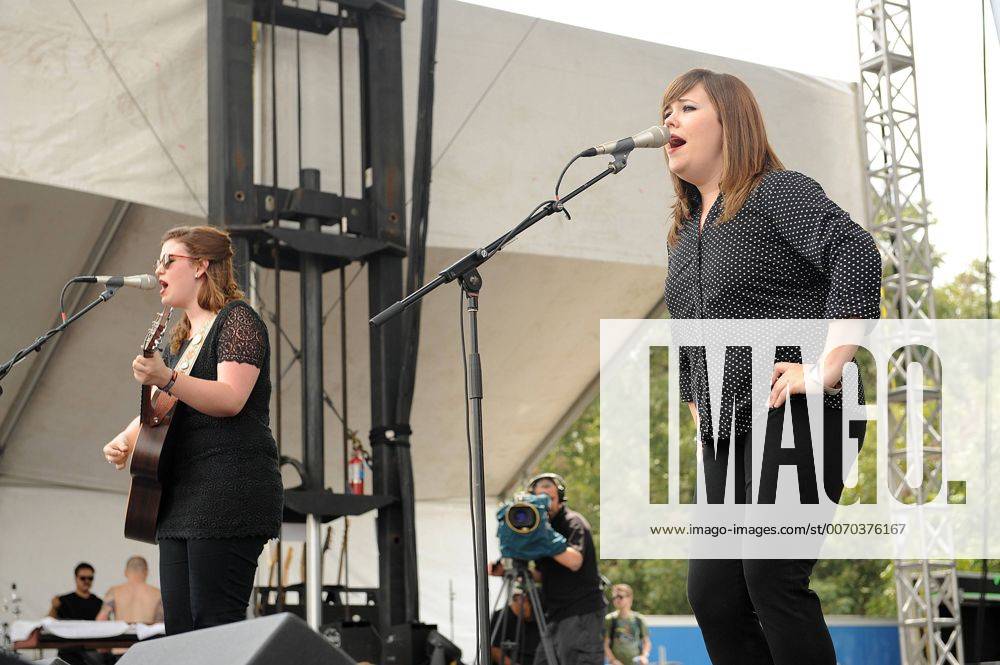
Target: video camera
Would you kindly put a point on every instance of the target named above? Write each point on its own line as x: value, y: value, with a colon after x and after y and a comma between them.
x: 524, y: 530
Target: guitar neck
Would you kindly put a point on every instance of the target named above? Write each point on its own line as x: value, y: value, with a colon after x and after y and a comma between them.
x: 146, y: 405
x: 148, y: 351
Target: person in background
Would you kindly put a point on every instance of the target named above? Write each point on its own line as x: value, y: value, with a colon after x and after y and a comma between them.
x: 571, y: 593
x: 518, y: 610
x: 79, y: 604
x: 626, y: 636
x: 134, y: 601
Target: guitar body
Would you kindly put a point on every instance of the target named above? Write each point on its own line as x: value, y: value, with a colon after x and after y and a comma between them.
x: 155, y: 414
x: 143, y: 509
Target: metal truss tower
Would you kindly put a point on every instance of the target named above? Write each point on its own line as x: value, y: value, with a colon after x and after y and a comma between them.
x: 927, y: 598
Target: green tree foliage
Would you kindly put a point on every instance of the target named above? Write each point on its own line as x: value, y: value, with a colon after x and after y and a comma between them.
x: 965, y: 296
x: 862, y: 587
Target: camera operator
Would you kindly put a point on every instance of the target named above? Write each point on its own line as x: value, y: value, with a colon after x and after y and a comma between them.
x: 571, y: 586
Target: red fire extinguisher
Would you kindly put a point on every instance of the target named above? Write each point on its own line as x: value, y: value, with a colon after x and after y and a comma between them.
x: 356, y: 468
x: 356, y: 473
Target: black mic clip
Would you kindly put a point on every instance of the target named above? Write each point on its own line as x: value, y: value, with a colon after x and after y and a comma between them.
x: 555, y: 205
x: 619, y: 159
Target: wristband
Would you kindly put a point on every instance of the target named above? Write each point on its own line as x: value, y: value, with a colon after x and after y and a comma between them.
x: 170, y: 384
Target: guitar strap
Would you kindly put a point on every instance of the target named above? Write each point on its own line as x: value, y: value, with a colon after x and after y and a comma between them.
x: 183, y: 365
x: 193, y: 350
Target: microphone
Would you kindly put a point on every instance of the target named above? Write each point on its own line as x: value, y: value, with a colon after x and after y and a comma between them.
x: 145, y: 282
x: 654, y: 137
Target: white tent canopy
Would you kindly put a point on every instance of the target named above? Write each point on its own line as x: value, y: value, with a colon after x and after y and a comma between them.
x: 109, y: 104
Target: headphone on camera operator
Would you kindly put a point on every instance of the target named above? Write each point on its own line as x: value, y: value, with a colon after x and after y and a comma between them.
x: 557, y: 480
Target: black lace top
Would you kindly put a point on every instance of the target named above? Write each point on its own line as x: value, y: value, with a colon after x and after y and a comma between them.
x: 220, y: 475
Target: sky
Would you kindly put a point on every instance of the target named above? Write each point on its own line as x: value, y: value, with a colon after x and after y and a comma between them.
x: 819, y: 37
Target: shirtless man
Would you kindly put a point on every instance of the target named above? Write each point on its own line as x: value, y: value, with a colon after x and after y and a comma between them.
x: 135, y: 601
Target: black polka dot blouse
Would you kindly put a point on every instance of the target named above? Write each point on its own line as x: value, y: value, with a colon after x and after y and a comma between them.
x: 789, y: 253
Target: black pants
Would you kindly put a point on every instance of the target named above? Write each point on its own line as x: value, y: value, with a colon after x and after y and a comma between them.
x: 762, y: 612
x: 206, y: 582
x: 576, y: 640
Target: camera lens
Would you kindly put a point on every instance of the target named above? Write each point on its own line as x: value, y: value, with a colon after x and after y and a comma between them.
x: 522, y: 518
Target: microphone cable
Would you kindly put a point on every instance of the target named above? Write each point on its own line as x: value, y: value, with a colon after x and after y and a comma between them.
x: 62, y: 296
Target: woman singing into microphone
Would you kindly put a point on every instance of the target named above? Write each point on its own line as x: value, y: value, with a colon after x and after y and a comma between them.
x: 222, y: 496
x: 751, y: 240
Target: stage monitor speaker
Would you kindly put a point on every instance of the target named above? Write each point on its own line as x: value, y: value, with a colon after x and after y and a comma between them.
x: 358, y: 639
x: 406, y: 644
x: 273, y: 640
x: 442, y: 650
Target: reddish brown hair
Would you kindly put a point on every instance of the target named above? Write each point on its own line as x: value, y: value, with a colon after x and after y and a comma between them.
x: 219, y: 287
x: 746, y: 153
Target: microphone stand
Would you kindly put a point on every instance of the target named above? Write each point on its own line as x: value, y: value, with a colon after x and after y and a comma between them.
x: 465, y: 271
x: 37, y: 345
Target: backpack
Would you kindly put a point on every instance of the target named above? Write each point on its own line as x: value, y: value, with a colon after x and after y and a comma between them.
x: 637, y: 635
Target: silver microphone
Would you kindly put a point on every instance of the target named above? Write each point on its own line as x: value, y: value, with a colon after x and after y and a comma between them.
x: 145, y: 282
x: 654, y: 137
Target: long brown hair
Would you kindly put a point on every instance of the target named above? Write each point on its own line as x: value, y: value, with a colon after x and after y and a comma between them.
x: 746, y: 153
x: 219, y: 287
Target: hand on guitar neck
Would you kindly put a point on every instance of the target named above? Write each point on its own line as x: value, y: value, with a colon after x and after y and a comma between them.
x: 151, y: 371
x: 117, y: 450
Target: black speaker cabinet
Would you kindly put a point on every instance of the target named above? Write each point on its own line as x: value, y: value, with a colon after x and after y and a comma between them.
x: 273, y: 640
x: 357, y: 638
x: 406, y: 644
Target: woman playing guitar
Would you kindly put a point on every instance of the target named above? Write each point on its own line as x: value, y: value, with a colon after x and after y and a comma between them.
x: 222, y: 492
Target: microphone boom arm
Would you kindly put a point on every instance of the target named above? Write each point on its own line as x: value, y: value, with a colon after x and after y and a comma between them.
x: 37, y: 345
x: 477, y: 257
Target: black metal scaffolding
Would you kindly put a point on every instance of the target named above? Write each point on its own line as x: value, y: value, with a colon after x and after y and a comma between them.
x: 374, y: 234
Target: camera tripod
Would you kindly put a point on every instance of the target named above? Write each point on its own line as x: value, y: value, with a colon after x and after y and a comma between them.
x: 518, y: 573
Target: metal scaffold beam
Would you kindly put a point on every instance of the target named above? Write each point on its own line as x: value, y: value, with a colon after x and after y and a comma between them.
x: 930, y: 629
x: 333, y: 231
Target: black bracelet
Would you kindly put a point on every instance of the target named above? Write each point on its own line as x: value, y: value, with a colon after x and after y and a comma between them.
x: 170, y: 383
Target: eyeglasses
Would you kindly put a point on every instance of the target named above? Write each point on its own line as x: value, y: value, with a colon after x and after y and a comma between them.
x: 85, y: 578
x: 167, y: 259
x: 618, y: 597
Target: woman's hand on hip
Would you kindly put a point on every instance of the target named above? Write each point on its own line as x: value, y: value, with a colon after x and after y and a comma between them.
x: 787, y: 379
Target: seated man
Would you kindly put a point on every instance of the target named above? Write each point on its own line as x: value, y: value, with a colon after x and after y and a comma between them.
x: 526, y: 636
x: 134, y: 601
x: 78, y: 604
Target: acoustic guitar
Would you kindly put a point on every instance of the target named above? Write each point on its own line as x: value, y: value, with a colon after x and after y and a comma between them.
x: 155, y: 413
